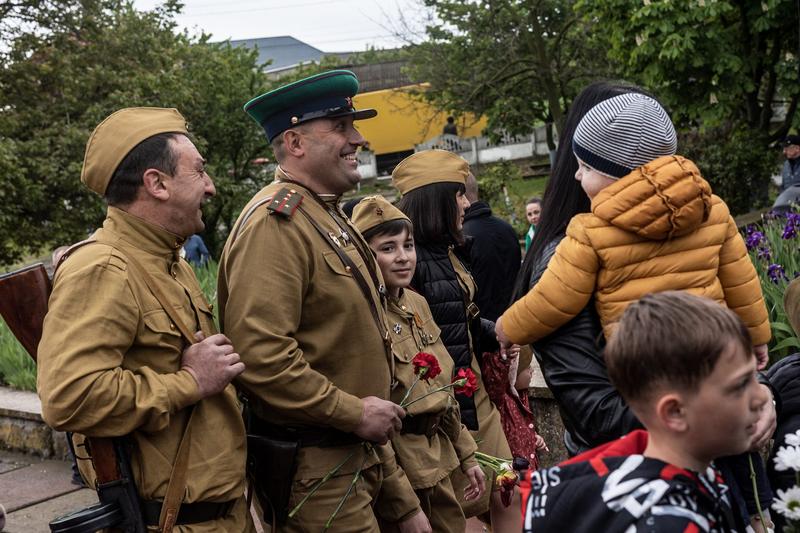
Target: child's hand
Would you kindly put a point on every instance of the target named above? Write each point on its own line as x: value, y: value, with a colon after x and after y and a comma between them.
x: 541, y: 444
x: 505, y: 344
x: 477, y: 485
x: 762, y: 356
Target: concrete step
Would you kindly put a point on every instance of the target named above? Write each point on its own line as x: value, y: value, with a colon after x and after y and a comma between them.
x: 22, y: 428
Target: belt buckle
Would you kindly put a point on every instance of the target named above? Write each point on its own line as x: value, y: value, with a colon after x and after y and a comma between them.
x: 472, y: 311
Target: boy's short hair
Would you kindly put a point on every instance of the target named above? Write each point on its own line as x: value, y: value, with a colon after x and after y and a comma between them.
x: 670, y: 338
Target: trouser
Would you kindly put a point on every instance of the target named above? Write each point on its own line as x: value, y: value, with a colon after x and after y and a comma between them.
x: 356, y: 515
x: 440, y: 505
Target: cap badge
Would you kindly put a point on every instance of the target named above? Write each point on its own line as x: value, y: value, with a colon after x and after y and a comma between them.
x: 349, y: 101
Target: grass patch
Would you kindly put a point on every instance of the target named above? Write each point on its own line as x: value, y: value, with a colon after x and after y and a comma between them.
x: 17, y: 369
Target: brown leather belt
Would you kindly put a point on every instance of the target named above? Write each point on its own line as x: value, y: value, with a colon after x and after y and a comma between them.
x: 424, y: 424
x: 305, y: 436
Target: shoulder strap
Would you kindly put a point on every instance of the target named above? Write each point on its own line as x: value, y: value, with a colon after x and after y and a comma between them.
x: 362, y: 283
x: 176, y: 487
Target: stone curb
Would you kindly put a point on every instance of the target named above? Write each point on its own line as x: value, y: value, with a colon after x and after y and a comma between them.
x: 22, y: 428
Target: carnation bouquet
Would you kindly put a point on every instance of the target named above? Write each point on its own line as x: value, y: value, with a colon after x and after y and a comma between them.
x: 426, y: 367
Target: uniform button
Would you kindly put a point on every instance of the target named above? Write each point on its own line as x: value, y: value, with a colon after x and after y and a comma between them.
x: 293, y: 191
x: 347, y: 268
x: 530, y: 426
x: 171, y: 325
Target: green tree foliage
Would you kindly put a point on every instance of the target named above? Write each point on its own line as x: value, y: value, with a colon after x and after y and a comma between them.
x: 518, y: 62
x: 722, y: 67
x: 60, y: 79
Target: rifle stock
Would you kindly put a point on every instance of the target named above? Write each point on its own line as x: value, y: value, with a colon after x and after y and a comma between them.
x: 23, y: 304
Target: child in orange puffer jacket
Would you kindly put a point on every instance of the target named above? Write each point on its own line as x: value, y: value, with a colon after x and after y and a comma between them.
x: 654, y: 226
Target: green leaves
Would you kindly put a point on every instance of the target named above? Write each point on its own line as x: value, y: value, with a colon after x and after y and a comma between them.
x: 62, y: 78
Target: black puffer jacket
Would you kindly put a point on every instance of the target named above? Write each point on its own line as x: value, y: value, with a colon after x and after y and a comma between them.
x: 571, y: 359
x: 436, y: 280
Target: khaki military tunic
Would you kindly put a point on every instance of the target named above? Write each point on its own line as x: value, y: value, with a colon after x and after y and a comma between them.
x: 428, y: 461
x: 312, y: 348
x: 489, y: 436
x: 109, y: 365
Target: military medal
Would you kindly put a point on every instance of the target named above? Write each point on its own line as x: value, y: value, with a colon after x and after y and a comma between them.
x: 345, y: 237
x: 397, y: 329
x: 334, y: 239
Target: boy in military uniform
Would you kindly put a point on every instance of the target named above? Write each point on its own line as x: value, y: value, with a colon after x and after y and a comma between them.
x: 433, y: 442
x: 112, y: 361
x: 301, y: 297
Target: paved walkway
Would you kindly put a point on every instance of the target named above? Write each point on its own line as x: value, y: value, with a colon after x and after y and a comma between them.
x: 34, y: 491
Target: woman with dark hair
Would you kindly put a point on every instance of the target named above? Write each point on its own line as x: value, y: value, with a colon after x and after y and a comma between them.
x: 571, y: 358
x: 433, y: 185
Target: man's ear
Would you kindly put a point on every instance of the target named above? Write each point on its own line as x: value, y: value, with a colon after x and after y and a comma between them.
x: 154, y: 184
x: 671, y: 412
x: 293, y: 143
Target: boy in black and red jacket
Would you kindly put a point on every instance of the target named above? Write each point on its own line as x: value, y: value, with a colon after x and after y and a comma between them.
x: 685, y: 366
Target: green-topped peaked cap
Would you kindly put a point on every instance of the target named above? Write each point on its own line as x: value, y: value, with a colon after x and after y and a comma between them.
x: 326, y: 95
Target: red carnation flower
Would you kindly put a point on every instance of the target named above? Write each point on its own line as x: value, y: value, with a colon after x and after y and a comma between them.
x: 466, y: 382
x: 426, y: 366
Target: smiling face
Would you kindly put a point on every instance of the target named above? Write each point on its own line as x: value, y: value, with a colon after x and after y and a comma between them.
x: 189, y: 188
x: 330, y: 153
x: 792, y: 151
x: 397, y: 259
x: 721, y: 414
x: 592, y: 182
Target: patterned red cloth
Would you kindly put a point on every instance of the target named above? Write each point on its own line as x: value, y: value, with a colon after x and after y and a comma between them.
x: 516, y: 416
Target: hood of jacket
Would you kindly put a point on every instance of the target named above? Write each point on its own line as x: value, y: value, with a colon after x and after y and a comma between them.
x: 665, y: 198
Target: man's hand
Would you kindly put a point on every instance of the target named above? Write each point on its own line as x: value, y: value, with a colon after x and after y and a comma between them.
x: 416, y: 524
x: 762, y: 356
x: 477, y: 484
x: 767, y: 422
x: 212, y: 362
x: 380, y: 420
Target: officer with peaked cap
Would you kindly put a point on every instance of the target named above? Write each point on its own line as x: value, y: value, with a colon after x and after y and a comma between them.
x: 302, y: 299
x: 114, y: 359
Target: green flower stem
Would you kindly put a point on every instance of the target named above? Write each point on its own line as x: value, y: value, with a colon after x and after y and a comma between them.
x: 755, y: 491
x: 434, y: 391
x: 416, y: 380
x: 353, y: 482
x: 322, y: 482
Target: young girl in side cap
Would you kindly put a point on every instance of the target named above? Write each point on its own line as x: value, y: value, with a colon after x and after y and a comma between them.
x: 433, y: 441
x: 432, y: 183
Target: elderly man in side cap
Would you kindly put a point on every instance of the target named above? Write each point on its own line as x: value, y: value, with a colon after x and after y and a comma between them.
x: 302, y: 299
x: 129, y: 344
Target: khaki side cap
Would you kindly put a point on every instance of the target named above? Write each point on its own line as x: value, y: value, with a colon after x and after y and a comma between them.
x: 372, y: 211
x: 118, y: 134
x: 429, y: 167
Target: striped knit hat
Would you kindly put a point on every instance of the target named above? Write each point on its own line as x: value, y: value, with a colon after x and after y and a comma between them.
x: 623, y: 133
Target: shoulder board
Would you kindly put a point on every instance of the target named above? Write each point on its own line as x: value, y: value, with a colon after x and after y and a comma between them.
x: 285, y: 202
